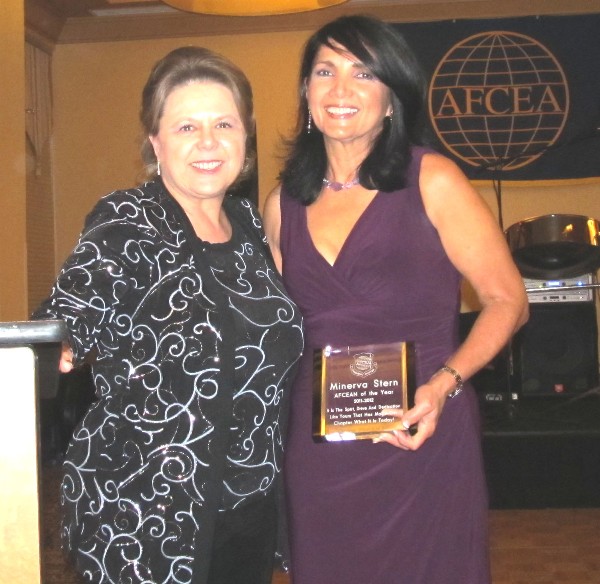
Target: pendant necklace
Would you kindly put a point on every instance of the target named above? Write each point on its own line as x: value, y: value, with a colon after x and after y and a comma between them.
x: 337, y: 186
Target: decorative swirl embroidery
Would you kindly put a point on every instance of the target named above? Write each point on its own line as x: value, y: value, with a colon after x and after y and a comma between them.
x: 138, y: 466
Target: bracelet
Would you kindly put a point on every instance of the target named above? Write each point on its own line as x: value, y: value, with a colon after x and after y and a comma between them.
x: 457, y: 378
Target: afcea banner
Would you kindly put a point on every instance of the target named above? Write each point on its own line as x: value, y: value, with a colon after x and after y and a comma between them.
x: 514, y: 99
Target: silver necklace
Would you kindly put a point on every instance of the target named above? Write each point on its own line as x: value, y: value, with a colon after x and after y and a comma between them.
x: 338, y: 186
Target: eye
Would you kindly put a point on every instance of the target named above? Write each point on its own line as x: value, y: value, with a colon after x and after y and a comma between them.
x: 366, y: 74
x: 322, y: 72
x: 224, y: 124
x: 187, y: 128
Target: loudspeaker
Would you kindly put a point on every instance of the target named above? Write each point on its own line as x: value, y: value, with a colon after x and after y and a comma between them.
x: 556, y: 352
x: 492, y: 382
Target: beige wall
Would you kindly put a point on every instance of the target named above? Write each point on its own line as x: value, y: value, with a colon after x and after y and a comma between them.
x: 96, y: 92
x: 13, y: 263
x: 97, y: 89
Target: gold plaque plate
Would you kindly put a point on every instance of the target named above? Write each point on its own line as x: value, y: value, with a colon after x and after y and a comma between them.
x: 352, y: 385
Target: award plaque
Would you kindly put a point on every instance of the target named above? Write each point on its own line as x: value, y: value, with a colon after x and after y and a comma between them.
x: 352, y: 385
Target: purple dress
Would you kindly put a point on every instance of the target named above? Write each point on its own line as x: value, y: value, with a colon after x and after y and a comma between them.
x: 364, y: 513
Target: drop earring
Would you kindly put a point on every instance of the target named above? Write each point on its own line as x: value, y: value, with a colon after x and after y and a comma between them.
x: 309, y: 123
x: 158, y: 168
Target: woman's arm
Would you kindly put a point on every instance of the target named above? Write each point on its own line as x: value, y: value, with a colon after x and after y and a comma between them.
x: 272, y: 222
x: 92, y: 282
x: 476, y: 246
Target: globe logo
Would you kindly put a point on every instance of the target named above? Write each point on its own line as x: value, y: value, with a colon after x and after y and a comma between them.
x: 498, y: 100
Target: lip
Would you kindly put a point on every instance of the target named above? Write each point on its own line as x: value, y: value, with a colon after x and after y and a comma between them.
x: 207, y: 166
x: 341, y: 112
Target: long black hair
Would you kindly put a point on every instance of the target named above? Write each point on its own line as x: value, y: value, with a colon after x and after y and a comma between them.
x: 386, y: 54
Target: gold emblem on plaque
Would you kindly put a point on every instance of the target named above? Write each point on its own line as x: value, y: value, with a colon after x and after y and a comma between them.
x: 364, y: 365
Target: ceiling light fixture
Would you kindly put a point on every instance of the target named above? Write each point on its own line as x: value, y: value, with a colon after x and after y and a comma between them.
x: 251, y: 7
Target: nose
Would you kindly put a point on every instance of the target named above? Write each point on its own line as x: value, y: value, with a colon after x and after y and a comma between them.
x: 341, y: 86
x: 206, y: 137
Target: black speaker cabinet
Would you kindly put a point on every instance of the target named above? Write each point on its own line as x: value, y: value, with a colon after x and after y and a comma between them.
x: 556, y: 351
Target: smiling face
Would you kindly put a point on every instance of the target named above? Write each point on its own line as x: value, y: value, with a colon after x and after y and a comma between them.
x: 347, y: 102
x: 200, y: 142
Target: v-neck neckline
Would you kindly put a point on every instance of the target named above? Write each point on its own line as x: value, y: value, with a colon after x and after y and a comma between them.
x: 359, y: 220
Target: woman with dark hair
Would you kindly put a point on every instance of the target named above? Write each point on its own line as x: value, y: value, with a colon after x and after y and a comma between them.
x: 386, y: 57
x: 373, y: 233
x: 170, y: 477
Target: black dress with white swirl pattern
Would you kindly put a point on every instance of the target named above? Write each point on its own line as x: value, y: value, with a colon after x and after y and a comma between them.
x: 196, y: 348
x: 255, y: 447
